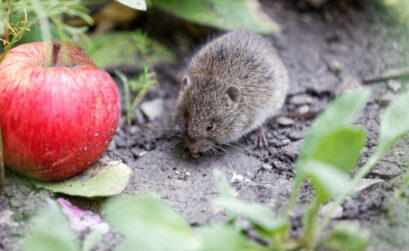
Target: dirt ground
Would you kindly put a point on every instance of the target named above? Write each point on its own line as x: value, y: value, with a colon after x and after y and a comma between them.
x: 363, y: 40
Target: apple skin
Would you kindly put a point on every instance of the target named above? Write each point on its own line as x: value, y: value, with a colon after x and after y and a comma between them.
x: 55, y: 121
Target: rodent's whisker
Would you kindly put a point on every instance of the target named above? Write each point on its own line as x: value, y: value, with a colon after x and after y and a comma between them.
x: 219, y: 147
x: 233, y: 145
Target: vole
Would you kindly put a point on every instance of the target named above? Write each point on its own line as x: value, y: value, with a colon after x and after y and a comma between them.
x: 231, y: 86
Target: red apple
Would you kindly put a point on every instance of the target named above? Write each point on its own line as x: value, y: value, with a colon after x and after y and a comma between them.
x: 56, y: 121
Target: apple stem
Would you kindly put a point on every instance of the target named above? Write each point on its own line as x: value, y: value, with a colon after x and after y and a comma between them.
x: 56, y: 50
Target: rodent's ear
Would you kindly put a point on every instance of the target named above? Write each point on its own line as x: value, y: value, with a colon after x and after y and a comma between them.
x: 232, y: 95
x: 186, y: 83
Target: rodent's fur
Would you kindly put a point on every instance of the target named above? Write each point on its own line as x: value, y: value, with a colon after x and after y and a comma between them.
x: 236, y: 82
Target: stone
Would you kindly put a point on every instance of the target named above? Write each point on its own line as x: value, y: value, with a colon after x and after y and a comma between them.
x: 267, y: 167
x: 236, y: 178
x: 386, y: 170
x: 281, y: 166
x: 283, y: 121
x: 6, y: 217
x: 304, y: 109
x: 394, y: 85
x: 301, y: 99
x: 296, y: 135
x: 292, y: 149
x: 153, y: 109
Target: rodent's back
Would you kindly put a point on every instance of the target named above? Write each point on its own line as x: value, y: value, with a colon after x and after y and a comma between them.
x: 243, y: 59
x: 240, y: 55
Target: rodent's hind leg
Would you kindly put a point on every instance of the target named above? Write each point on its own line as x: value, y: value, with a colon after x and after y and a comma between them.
x: 261, y: 137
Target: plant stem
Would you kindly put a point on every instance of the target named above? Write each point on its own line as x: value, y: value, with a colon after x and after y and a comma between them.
x: 56, y: 49
x: 299, y: 177
x: 6, y: 24
x: 361, y: 173
x: 45, y: 30
x: 310, y: 233
x: 293, y: 197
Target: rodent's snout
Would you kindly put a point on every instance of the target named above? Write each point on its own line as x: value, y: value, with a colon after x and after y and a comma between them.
x: 198, y: 146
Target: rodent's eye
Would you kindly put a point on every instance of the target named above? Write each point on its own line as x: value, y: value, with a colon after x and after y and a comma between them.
x: 210, y: 127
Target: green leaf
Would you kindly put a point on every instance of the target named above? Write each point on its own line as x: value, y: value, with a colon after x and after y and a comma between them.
x: 135, y: 4
x: 327, y: 180
x: 91, y: 240
x: 104, y: 178
x: 50, y: 230
x: 394, y: 123
x: 222, y: 185
x: 113, y: 50
x: 339, y: 113
x: 258, y: 214
x: 226, y: 238
x: 226, y: 15
x: 148, y: 224
x: 309, y: 222
x: 127, y: 95
x: 340, y: 148
x: 347, y: 236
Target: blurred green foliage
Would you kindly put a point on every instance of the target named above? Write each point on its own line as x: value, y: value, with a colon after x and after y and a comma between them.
x: 226, y: 14
x: 127, y: 50
x: 50, y: 230
x: 137, y: 88
x: 399, y: 7
x: 22, y: 17
x: 100, y: 180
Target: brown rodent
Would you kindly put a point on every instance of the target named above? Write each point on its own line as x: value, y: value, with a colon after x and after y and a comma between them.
x: 232, y: 85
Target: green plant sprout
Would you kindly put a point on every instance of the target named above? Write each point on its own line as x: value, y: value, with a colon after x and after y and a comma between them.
x: 22, y: 15
x: 328, y: 155
x: 139, y: 87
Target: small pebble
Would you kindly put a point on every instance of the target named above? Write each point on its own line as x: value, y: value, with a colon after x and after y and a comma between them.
x: 295, y: 135
x: 133, y: 129
x: 236, y: 178
x: 267, y: 167
x: 281, y: 166
x: 152, y: 109
x: 394, y: 85
x: 304, y: 109
x: 301, y: 99
x: 6, y: 218
x: 285, y: 121
x: 285, y: 141
x: 386, y: 170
